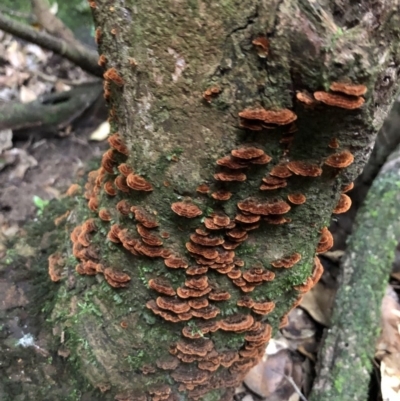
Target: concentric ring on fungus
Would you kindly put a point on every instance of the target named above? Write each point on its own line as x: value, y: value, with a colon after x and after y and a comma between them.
x: 348, y: 88
x: 297, y: 198
x: 233, y: 175
x: 221, y: 195
x: 186, y: 209
x: 238, y: 322
x: 138, y: 183
x: 247, y: 153
x: 277, y: 117
x: 340, y: 160
x: 304, y: 169
x: 338, y: 100
x: 343, y: 205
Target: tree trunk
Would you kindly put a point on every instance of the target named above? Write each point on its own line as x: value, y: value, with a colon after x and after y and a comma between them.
x: 134, y: 343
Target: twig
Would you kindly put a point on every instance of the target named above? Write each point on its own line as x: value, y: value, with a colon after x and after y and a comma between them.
x: 78, y: 54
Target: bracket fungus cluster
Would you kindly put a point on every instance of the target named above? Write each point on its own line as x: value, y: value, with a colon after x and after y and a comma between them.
x: 210, y: 274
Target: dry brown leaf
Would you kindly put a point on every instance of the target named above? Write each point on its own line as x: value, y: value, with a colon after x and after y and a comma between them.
x: 390, y: 377
x: 319, y: 302
x: 26, y: 95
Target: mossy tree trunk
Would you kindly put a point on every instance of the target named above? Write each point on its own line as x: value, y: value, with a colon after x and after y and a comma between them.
x: 167, y: 54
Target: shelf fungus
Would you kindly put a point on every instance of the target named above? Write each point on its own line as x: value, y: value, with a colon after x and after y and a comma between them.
x: 138, y: 183
x: 186, y: 209
x: 343, y: 205
x: 120, y: 183
x: 112, y: 75
x: 195, y: 270
x: 340, y: 160
x: 280, y: 171
x: 104, y: 214
x: 288, y: 261
x: 247, y: 153
x: 173, y: 304
x: 297, y: 198
x: 264, y: 208
x: 123, y: 207
x: 263, y: 308
x: 116, y: 279
x: 338, y: 100
x: 144, y: 217
x: 348, y: 88
x: 238, y: 322
x: 221, y: 195
x: 348, y: 188
x: 203, y: 189
x: 326, y: 241
x: 125, y: 169
x: 162, y: 286
x: 231, y: 163
x: 211, y: 93
x: 276, y: 117
x: 261, y: 44
x: 304, y: 169
x: 117, y: 143
x: 306, y: 98
x: 230, y: 176
x: 334, y: 144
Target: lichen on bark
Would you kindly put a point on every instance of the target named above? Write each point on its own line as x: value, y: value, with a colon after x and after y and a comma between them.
x: 167, y: 55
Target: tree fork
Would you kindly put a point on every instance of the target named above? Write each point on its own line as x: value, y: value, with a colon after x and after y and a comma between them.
x: 177, y: 77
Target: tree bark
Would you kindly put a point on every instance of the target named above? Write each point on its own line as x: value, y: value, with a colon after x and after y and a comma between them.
x: 160, y: 60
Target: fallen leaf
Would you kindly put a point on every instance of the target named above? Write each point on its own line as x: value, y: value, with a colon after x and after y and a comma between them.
x: 25, y: 161
x: 6, y: 140
x: 319, y: 302
x: 390, y: 377
x: 101, y: 132
x: 26, y: 95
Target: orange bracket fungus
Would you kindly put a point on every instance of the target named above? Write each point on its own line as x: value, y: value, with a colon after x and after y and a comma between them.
x: 337, y: 100
x: 297, y: 199
x: 304, y: 169
x: 343, y: 205
x: 340, y: 160
x: 276, y: 117
x: 261, y: 44
x: 112, y: 75
x: 138, y: 183
x: 186, y: 209
x: 348, y: 88
x: 211, y: 93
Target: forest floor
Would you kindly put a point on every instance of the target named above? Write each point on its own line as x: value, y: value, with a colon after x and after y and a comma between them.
x: 36, y: 169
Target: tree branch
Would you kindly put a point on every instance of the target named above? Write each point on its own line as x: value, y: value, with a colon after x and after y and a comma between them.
x: 348, y: 346
x: 78, y: 54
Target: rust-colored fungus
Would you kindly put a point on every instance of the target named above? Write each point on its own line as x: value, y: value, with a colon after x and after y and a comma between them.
x: 219, y: 295
x: 116, y: 279
x: 255, y: 206
x: 125, y: 169
x: 117, y: 143
x: 343, y: 205
x: 340, y: 160
x: 97, y: 35
x: 337, y: 100
x: 221, y: 219
x: 247, y: 153
x: 205, y: 252
x: 104, y: 214
x: 112, y: 235
x: 304, y: 169
x: 263, y: 308
x: 228, y: 358
x: 112, y: 75
x: 252, y: 125
x: 195, y: 270
x: 348, y: 88
x: 305, y: 98
x: 108, y: 161
x: 268, y: 187
x: 234, y: 273
x: 277, y: 220
x: 109, y: 188
x: 208, y: 312
x: 147, y: 237
x: 73, y: 190
x: 138, y: 183
x: 305, y: 287
x: 211, y: 92
x: 288, y: 261
x: 162, y: 285
x: 184, y: 292
x: 186, y: 209
x: 230, y: 176
x: 238, y: 322
x: 190, y: 375
x: 203, y: 189
x: 231, y: 163
x: 326, y: 241
x: 123, y: 207
x: 297, y: 198
x: 210, y: 366
x: 348, y: 187
x: 120, y: 183
x: 281, y: 171
x: 197, y: 282
x: 245, y: 301
x: 56, y: 264
x: 173, y: 304
x: 261, y: 44
x: 334, y: 143
x: 221, y: 195
x: 262, y: 160
x: 270, y: 180
x: 143, y: 217
x: 247, y: 218
x: 198, y: 303
x: 207, y: 241
x: 151, y: 251
x: 277, y: 117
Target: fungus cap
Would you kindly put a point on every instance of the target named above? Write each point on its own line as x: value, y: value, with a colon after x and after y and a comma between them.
x: 281, y: 171
x: 221, y: 195
x: 343, y: 205
x: 278, y: 117
x: 338, y: 100
x: 186, y: 209
x: 231, y: 163
x: 230, y: 176
x: 175, y: 262
x: 173, y: 304
x: 238, y: 322
x: 161, y: 285
x: 261, y: 44
x: 138, y: 183
x: 247, y: 153
x: 348, y: 187
x: 348, y: 88
x: 340, y: 160
x: 297, y: 198
x: 304, y: 169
